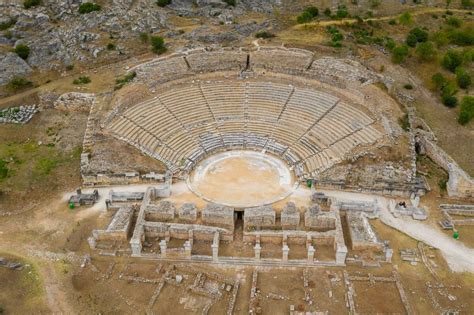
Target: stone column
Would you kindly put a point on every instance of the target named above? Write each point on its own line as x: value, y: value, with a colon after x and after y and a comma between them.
x: 191, y: 237
x: 341, y: 253
x: 257, y: 250
x: 187, y: 249
x: 136, y: 245
x: 388, y: 255
x: 311, y: 251
x: 285, y: 250
x: 163, y: 248
x: 215, y: 252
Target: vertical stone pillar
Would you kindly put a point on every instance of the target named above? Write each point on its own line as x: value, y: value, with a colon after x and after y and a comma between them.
x: 311, y: 251
x: 285, y: 250
x: 388, y: 255
x: 341, y: 253
x: 309, y: 241
x: 136, y: 245
x: 257, y: 250
x: 191, y: 237
x: 187, y: 249
x: 215, y: 252
x: 163, y: 248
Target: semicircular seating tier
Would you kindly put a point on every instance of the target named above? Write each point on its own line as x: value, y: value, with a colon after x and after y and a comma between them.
x: 310, y: 129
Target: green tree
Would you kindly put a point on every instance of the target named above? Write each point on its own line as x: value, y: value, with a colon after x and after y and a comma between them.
x: 463, y: 78
x: 157, y: 44
x: 399, y: 54
x: 449, y: 100
x: 466, y: 113
x: 451, y: 60
x: 426, y: 51
x: 411, y: 40
x: 23, y: 51
x: 420, y: 34
x: 304, y: 17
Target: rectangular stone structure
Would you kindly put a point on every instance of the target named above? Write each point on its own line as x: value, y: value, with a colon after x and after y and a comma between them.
x: 218, y: 215
x: 188, y: 212
x: 163, y: 211
x: 290, y: 216
x: 259, y: 217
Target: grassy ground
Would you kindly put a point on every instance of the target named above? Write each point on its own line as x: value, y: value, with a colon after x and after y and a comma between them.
x: 21, y: 290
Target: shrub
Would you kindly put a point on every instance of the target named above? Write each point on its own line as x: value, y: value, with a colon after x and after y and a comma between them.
x: 313, y: 11
x: 443, y: 184
x: 342, y: 12
x: 467, y: 4
x: 23, y: 51
x: 463, y: 78
x: 464, y: 37
x: 6, y: 25
x: 426, y: 51
x: 230, y: 2
x: 327, y: 12
x: 449, y: 88
x: 264, y: 34
x: 404, y: 123
x: 467, y: 110
x: 449, y: 100
x: 438, y: 80
x: 143, y: 37
x: 3, y: 172
x: 408, y: 86
x: 399, y: 54
x: 119, y: 83
x: 110, y: 46
x: 440, y: 38
x: 163, y: 3
x: 18, y: 83
x: 405, y: 18
x: 454, y: 21
x: 419, y: 34
x: 390, y: 43
x: 451, y: 60
x: 69, y: 67
x: 31, y: 3
x: 88, y: 7
x: 392, y: 22
x: 375, y: 3
x: 82, y: 80
x: 157, y: 44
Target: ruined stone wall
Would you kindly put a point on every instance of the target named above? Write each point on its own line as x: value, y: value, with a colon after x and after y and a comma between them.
x: 460, y: 184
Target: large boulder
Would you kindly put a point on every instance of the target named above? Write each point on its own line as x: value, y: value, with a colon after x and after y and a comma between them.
x: 12, y: 66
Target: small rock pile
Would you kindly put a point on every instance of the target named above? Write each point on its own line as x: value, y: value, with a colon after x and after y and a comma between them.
x: 18, y: 115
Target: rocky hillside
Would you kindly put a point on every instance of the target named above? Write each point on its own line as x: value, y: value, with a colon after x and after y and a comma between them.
x: 59, y: 36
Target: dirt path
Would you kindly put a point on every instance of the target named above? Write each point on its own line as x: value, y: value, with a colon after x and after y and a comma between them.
x: 382, y: 18
x: 459, y: 257
x: 55, y: 295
